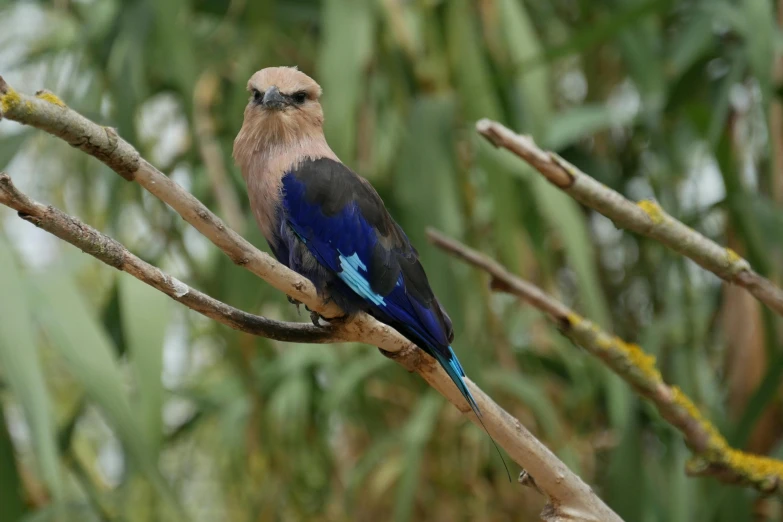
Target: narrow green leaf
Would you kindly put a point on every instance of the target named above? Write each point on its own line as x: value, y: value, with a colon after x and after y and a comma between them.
x: 11, y: 494
x: 10, y: 145
x: 417, y: 433
x: 532, y: 396
x: 351, y: 377
x: 427, y: 155
x: 76, y: 333
x: 572, y: 125
x: 20, y: 366
x: 145, y: 315
x: 532, y: 83
x: 607, y: 28
x: 344, y: 56
x: 478, y: 98
x: 754, y: 20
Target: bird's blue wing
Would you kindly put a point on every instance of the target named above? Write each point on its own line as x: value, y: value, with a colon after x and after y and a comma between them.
x: 344, y: 225
x: 335, y: 227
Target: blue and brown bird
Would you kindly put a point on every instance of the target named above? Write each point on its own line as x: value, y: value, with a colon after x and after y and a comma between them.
x: 329, y: 224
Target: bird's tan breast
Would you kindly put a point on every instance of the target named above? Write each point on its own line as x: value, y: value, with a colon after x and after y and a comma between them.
x: 264, y: 177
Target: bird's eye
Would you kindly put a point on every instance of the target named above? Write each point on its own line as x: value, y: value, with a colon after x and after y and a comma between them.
x: 299, y: 97
x: 257, y: 95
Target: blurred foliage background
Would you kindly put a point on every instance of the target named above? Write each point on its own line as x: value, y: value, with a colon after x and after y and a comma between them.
x: 118, y: 404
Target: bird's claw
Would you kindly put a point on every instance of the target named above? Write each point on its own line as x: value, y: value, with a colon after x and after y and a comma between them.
x: 295, y: 303
x: 316, y: 318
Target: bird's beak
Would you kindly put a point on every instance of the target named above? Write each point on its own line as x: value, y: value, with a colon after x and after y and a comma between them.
x: 273, y: 99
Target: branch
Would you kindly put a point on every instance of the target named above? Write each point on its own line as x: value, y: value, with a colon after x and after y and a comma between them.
x: 712, y: 454
x: 646, y: 218
x: 569, y: 497
x: 113, y: 253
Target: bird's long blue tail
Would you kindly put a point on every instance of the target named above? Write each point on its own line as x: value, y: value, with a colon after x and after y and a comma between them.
x: 456, y: 373
x: 454, y: 370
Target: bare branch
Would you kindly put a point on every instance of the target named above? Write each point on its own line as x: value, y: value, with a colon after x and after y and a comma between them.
x: 114, y: 254
x: 713, y: 455
x: 646, y: 217
x: 570, y: 499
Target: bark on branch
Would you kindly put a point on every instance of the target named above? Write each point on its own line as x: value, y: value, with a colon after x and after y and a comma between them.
x: 712, y: 454
x: 113, y: 253
x: 570, y: 499
x: 646, y: 217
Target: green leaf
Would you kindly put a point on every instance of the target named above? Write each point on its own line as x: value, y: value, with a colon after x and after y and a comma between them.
x: 11, y: 492
x: 427, y: 155
x: 75, y: 332
x: 572, y: 125
x: 145, y: 315
x: 417, y: 433
x: 344, y: 56
x: 754, y: 20
x: 532, y: 396
x: 564, y: 216
x: 10, y: 145
x: 20, y: 366
x: 179, y: 60
x: 478, y: 98
x: 608, y: 27
x: 532, y: 83
x: 351, y: 377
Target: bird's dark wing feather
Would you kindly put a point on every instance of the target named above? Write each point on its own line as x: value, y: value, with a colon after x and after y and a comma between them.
x: 345, y: 226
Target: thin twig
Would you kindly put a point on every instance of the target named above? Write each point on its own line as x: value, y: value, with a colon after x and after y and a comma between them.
x: 712, y: 454
x: 646, y: 218
x: 113, y: 253
x: 570, y: 499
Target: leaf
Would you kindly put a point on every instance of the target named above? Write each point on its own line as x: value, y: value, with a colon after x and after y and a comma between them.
x: 145, y: 315
x: 564, y: 215
x: 754, y: 20
x: 21, y: 367
x: 575, y: 124
x: 478, y: 98
x: 344, y: 56
x: 607, y: 28
x: 10, y: 145
x: 77, y: 335
x: 417, y: 433
x: 351, y: 378
x: 11, y: 494
x: 532, y: 396
x: 179, y: 61
x: 427, y: 155
x: 532, y: 83
x: 690, y: 45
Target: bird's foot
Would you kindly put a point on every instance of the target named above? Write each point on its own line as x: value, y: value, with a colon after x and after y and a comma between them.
x: 296, y: 303
x: 316, y: 318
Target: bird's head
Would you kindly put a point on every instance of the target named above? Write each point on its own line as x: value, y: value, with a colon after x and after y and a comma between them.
x: 283, y: 106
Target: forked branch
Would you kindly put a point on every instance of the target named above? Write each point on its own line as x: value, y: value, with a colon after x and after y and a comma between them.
x: 570, y: 499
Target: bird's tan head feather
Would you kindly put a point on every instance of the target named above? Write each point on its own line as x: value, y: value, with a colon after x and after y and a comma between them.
x: 283, y: 109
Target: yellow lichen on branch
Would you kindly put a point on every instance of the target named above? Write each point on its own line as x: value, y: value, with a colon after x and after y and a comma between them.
x: 9, y: 100
x: 652, y: 221
x: 50, y: 97
x: 569, y: 497
x: 765, y: 472
x: 614, y: 350
x: 712, y: 453
x: 715, y: 442
x: 652, y: 209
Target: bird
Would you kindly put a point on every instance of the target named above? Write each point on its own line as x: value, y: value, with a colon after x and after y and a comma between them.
x: 327, y: 223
